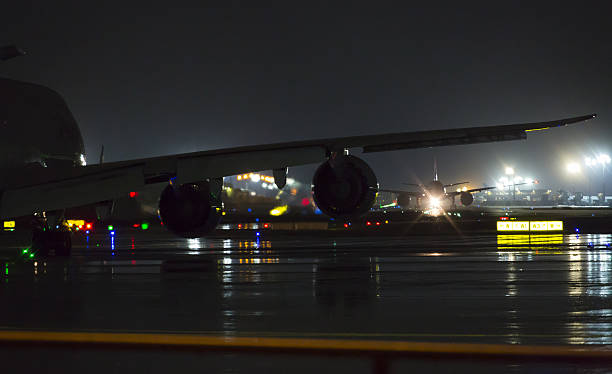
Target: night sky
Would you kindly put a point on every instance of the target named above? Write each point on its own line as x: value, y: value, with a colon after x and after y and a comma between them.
x: 168, y: 77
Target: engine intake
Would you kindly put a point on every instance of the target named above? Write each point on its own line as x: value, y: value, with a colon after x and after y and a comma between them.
x: 189, y: 210
x: 403, y: 200
x: 466, y: 198
x: 344, y: 187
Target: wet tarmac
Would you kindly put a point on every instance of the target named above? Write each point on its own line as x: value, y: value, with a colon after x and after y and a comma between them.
x: 510, y: 289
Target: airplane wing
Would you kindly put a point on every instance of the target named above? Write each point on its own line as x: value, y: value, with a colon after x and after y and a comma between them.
x: 405, y: 193
x: 455, y: 184
x: 45, y: 189
x: 455, y: 193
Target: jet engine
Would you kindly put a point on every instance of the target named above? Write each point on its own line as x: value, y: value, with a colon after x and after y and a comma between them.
x: 189, y: 210
x: 403, y: 200
x: 344, y: 186
x: 466, y: 198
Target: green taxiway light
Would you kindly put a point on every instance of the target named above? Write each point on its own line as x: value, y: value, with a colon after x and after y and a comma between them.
x: 110, y: 227
x: 144, y: 226
x: 25, y: 251
x: 31, y: 255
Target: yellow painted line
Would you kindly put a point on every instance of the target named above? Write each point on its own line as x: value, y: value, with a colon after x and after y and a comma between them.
x: 306, y: 346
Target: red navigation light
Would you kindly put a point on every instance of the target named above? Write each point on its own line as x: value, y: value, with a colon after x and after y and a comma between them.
x: 377, y: 223
x: 266, y: 225
x: 133, y: 194
x: 346, y: 225
x: 503, y: 218
x: 305, y: 201
x: 136, y: 225
x: 368, y: 223
x: 88, y: 226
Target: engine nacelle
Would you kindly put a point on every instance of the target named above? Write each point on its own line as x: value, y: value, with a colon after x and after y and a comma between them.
x: 189, y: 210
x: 403, y: 200
x: 466, y: 198
x: 344, y: 187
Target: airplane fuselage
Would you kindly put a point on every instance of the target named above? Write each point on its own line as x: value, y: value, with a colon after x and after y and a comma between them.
x: 36, y: 129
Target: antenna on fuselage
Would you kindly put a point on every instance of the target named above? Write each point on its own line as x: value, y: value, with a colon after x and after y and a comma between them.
x: 10, y: 51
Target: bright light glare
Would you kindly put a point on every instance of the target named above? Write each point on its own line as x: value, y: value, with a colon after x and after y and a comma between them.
x: 434, y: 203
x: 603, y: 159
x: 509, y: 170
x: 278, y: 211
x: 573, y: 168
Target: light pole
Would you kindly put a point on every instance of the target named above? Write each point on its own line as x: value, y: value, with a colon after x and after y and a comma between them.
x: 573, y: 168
x: 590, y: 162
x: 604, y: 160
x: 510, y: 172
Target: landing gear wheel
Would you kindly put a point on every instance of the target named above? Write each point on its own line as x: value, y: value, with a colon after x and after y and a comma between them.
x: 44, y: 242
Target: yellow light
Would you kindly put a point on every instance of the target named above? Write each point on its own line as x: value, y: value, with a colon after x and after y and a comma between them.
x: 540, y: 129
x: 9, y: 224
x: 239, y: 177
x: 278, y: 211
x: 75, y: 222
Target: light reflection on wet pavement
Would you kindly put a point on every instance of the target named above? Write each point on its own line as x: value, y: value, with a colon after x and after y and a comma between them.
x: 518, y: 289
x: 551, y: 289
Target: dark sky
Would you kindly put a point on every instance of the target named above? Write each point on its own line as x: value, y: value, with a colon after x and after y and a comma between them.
x: 166, y: 77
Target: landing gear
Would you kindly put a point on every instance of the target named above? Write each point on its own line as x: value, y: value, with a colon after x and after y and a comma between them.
x: 56, y: 242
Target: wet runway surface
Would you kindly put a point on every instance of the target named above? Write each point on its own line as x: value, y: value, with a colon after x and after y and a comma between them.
x: 515, y: 289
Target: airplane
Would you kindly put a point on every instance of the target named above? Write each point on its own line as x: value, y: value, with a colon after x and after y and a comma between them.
x: 435, y: 192
x: 43, y: 169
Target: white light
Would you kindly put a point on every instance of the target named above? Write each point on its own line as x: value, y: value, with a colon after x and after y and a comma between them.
x: 603, y: 159
x: 509, y: 170
x: 518, y: 179
x: 573, y: 168
x: 464, y: 189
x: 589, y: 161
x: 264, y: 185
x: 290, y: 181
x: 255, y: 177
x: 529, y: 180
x: 84, y: 162
x: 503, y: 180
x: 434, y: 203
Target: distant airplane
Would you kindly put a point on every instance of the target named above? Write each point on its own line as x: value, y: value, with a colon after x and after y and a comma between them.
x: 435, y: 193
x: 43, y: 168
